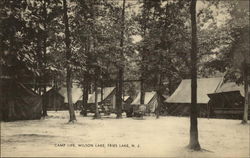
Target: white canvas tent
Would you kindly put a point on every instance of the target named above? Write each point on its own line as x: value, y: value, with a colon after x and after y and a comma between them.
x: 150, y: 100
x: 109, y: 97
x: 106, y: 92
x: 231, y: 86
x: 179, y: 102
x: 76, y: 93
x: 62, y: 92
x: 204, y: 86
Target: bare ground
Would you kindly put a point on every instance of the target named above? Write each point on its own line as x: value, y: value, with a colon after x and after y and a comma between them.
x: 127, y: 137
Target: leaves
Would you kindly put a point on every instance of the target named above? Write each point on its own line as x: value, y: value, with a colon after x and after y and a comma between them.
x: 27, y: 27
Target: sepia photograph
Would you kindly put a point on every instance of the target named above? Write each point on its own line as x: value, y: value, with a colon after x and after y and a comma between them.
x: 125, y: 78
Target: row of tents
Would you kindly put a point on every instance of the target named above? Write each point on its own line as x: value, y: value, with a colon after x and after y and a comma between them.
x: 21, y: 103
x: 55, y: 98
x: 214, y: 97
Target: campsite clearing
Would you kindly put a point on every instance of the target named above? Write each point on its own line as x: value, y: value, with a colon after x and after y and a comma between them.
x: 149, y: 137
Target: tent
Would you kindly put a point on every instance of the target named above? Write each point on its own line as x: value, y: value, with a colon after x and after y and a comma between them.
x: 18, y: 102
x: 53, y: 100
x: 57, y: 98
x: 227, y: 101
x: 108, y: 102
x: 108, y: 97
x: 179, y: 102
x: 231, y: 86
x: 150, y: 100
x: 76, y: 93
x: 107, y: 91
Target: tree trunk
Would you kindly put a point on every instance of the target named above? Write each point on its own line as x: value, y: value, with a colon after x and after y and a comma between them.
x: 40, y: 59
x: 158, y: 92
x: 69, y: 94
x: 68, y: 56
x: 85, y: 95
x: 194, y: 141
x: 143, y: 69
x: 86, y: 83
x: 142, y: 89
x: 121, y: 71
x: 142, y: 97
x: 40, y: 89
x: 97, y: 114
x: 101, y: 88
x: 158, y: 85
x: 245, y: 77
x: 170, y: 85
x: 119, y: 94
x: 102, y: 102
x: 44, y: 56
x: 10, y: 95
x: 44, y: 106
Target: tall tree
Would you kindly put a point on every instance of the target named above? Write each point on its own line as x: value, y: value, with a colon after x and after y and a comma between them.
x: 145, y: 15
x: 165, y: 36
x: 241, y: 59
x: 193, y: 141
x: 33, y: 25
x: 240, y: 49
x: 97, y: 68
x: 245, y: 68
x: 121, y: 69
x: 232, y: 43
x: 44, y: 52
x: 68, y: 67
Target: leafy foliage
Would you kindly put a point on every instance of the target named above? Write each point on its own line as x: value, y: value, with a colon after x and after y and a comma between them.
x: 32, y: 34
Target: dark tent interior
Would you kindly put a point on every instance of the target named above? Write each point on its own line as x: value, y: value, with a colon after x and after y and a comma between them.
x: 226, y: 104
x: 18, y: 102
x: 53, y: 100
